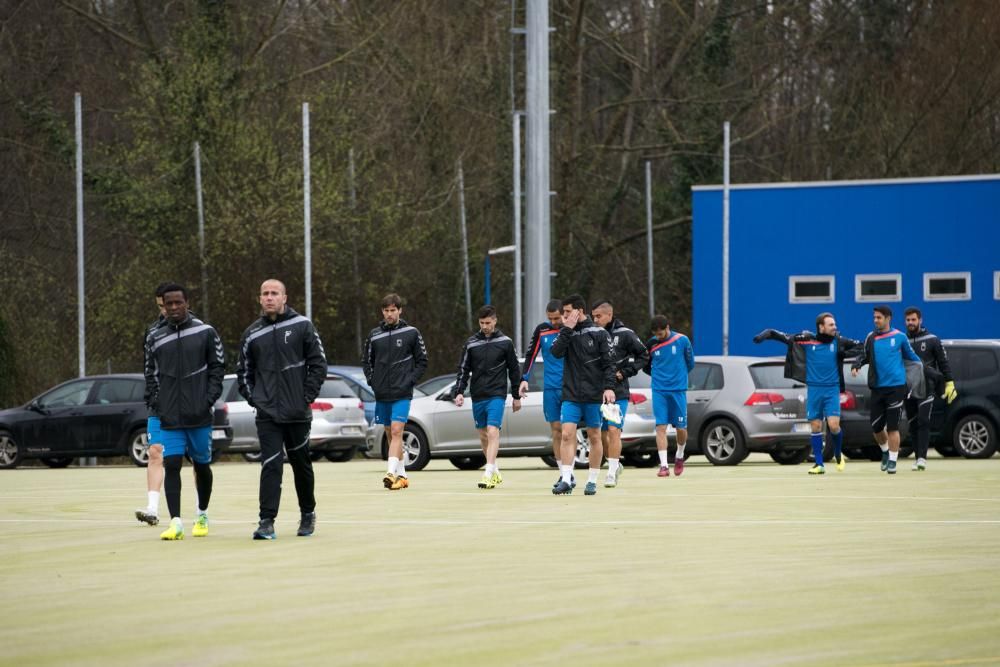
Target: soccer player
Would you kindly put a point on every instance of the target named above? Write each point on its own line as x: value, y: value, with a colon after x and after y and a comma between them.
x: 184, y: 371
x: 489, y: 357
x: 671, y: 358
x: 154, y: 467
x: 280, y: 371
x: 541, y: 344
x: 588, y: 381
x: 629, y: 356
x: 936, y: 369
x: 885, y: 351
x: 817, y: 360
x: 394, y: 360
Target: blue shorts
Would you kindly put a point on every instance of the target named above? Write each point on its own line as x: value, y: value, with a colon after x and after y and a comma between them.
x: 196, y: 442
x: 488, y: 411
x: 623, y: 406
x: 670, y: 407
x: 822, y: 402
x: 392, y: 411
x: 552, y: 404
x: 153, y: 436
x: 574, y: 412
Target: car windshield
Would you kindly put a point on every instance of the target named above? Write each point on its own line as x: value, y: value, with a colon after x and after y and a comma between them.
x: 336, y: 388
x: 228, y: 390
x: 434, y: 385
x: 772, y: 376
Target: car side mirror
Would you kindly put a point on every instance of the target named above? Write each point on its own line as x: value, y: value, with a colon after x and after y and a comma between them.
x: 445, y: 396
x: 36, y: 406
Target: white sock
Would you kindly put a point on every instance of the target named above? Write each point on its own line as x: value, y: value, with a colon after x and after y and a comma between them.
x: 680, y: 452
x: 201, y: 511
x: 592, y: 474
x: 884, y: 448
x: 663, y: 457
x: 612, y: 467
x: 893, y: 456
x: 393, y: 462
x: 496, y: 467
x: 401, y: 468
x: 153, y: 504
x: 490, y: 469
x: 567, y: 473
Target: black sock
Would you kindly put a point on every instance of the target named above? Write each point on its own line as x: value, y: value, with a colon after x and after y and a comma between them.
x: 172, y: 483
x: 203, y: 480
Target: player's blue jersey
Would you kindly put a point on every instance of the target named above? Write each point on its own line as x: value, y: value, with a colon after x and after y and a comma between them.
x: 889, y: 349
x: 822, y: 363
x: 553, y: 366
x: 670, y: 361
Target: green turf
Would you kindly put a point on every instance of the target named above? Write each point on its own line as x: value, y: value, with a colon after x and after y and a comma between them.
x: 759, y: 564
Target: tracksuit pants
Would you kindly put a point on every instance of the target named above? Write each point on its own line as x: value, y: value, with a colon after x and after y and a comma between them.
x: 294, y: 438
x: 918, y: 414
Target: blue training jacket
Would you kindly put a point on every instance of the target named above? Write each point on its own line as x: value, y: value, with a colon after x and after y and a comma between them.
x: 822, y: 363
x: 887, y: 353
x: 670, y: 361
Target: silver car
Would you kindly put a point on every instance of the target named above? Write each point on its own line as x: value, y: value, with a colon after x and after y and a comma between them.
x: 439, y: 429
x: 339, y: 428
x: 738, y: 405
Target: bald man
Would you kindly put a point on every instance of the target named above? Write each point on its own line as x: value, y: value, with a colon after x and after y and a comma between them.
x: 280, y: 371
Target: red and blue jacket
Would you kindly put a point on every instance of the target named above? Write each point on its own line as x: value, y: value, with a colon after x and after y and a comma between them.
x: 541, y: 345
x: 670, y: 361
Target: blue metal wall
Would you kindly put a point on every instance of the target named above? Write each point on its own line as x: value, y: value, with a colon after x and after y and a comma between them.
x: 843, y: 230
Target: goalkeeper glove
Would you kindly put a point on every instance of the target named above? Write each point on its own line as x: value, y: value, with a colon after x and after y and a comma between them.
x: 950, y: 394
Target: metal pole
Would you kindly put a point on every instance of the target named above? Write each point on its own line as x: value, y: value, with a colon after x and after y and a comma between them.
x: 465, y: 246
x: 306, y: 204
x: 201, y: 231
x: 725, y: 238
x: 649, y: 236
x: 80, y: 313
x: 518, y: 289
x: 354, y: 253
x: 538, y: 279
x: 488, y: 278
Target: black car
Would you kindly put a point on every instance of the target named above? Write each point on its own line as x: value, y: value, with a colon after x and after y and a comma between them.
x: 100, y: 415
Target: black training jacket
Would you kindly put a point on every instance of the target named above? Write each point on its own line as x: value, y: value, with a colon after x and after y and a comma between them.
x: 160, y: 321
x: 628, y: 355
x: 281, y: 367
x: 936, y: 367
x: 492, y: 362
x: 795, y: 357
x: 394, y: 360
x: 184, y: 368
x: 588, y: 369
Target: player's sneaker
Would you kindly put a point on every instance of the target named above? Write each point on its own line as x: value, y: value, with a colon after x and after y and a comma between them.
x: 497, y: 478
x: 572, y: 481
x: 388, y: 480
x: 678, y: 467
x: 841, y: 461
x: 817, y: 470
x: 146, y: 516
x: 919, y: 465
x: 175, y: 531
x: 200, y: 527
x: 486, y: 481
x: 891, y: 468
x: 307, y: 524
x: 562, y: 489
x: 400, y: 483
x: 265, y: 530
x: 590, y: 489
x: 610, y: 482
x: 664, y: 471
x: 885, y: 460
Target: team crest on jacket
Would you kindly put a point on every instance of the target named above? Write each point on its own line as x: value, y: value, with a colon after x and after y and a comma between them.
x: 615, y: 341
x: 923, y: 347
x: 287, y: 334
x: 399, y: 342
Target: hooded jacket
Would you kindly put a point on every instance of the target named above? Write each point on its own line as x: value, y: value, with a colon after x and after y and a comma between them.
x: 281, y: 367
x: 492, y: 363
x: 184, y: 368
x: 628, y: 355
x: 394, y: 359
x: 588, y: 369
x: 930, y: 350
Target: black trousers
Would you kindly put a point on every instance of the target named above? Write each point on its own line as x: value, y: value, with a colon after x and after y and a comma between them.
x: 294, y: 438
x: 918, y: 415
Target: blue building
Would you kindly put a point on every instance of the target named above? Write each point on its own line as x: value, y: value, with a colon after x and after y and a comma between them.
x: 798, y: 249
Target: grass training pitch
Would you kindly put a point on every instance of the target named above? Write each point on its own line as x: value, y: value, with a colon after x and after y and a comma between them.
x: 758, y: 564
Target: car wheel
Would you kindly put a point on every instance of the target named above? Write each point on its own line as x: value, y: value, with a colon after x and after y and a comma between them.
x: 946, y: 450
x: 10, y: 453
x: 252, y: 457
x: 341, y: 456
x: 647, y: 459
x: 316, y: 456
x: 722, y: 443
x: 791, y: 457
x: 975, y: 437
x: 550, y: 461
x: 858, y: 454
x: 57, y: 461
x: 474, y: 462
x: 138, y: 447
x: 415, y: 449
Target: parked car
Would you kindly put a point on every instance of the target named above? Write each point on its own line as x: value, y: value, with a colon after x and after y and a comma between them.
x: 339, y: 427
x: 435, y: 384
x: 739, y: 405
x: 970, y: 425
x: 439, y: 429
x: 100, y: 415
x: 355, y: 378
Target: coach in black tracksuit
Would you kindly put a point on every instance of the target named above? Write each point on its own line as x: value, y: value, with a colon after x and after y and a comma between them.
x: 937, y: 374
x: 281, y: 369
